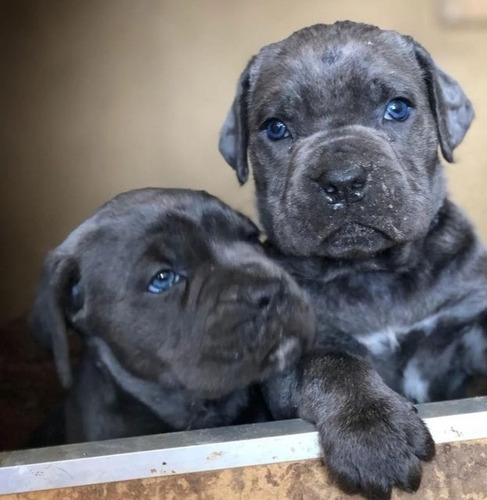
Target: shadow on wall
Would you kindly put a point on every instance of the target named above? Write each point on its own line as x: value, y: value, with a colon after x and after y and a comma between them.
x: 101, y: 97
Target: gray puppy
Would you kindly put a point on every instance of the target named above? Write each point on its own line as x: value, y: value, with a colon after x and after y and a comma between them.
x: 179, y: 312
x: 342, y: 124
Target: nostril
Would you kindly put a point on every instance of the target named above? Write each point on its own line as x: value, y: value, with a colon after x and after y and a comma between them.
x: 264, y: 296
x: 355, y: 196
x: 329, y: 189
x: 358, y: 183
x: 263, y: 302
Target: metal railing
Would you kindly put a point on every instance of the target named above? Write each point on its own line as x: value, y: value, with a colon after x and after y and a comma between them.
x: 204, y: 450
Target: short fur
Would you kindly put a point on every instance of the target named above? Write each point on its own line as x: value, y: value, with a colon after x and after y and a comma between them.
x: 394, y: 269
x: 187, y: 357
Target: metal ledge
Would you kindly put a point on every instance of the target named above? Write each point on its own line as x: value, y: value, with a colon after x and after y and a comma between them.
x: 205, y: 450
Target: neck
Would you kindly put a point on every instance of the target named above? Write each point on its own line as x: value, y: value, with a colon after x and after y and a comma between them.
x: 179, y: 407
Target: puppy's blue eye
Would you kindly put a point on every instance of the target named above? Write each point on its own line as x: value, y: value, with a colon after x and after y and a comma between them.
x: 397, y: 110
x: 163, y: 280
x: 276, y: 130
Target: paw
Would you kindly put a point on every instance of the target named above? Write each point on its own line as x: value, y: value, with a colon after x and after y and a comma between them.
x: 376, y: 444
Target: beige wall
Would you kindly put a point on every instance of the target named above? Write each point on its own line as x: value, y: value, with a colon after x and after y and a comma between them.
x: 102, y: 96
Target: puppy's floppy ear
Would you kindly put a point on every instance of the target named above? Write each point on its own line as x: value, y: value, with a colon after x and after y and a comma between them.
x: 452, y: 109
x: 234, y: 134
x: 48, y: 317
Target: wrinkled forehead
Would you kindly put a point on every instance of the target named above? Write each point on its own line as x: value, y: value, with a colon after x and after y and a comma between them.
x: 329, y: 64
x: 182, y: 227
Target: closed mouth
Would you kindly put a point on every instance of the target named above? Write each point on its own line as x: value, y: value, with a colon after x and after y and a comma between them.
x: 355, y: 240
x: 354, y: 233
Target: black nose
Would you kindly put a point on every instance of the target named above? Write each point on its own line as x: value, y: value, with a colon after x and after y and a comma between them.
x: 344, y: 184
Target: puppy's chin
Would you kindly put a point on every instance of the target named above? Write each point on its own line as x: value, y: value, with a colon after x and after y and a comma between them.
x: 286, y: 355
x: 349, y: 242
x: 218, y: 376
x: 354, y: 242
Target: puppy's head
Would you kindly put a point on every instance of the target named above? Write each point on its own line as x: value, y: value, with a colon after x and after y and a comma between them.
x: 177, y: 285
x: 342, y: 125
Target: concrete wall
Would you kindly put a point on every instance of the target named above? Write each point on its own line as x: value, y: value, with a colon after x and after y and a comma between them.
x: 101, y: 96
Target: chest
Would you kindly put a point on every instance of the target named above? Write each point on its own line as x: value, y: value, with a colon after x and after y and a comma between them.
x: 373, y: 304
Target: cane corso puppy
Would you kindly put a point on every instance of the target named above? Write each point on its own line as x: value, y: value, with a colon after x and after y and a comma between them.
x: 179, y: 310
x: 343, y: 125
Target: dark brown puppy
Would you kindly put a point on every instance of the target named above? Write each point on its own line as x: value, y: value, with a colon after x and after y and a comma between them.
x: 343, y: 124
x: 179, y: 311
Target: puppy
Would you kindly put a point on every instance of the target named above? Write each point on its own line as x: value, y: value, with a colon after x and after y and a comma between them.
x: 344, y: 125
x: 179, y: 312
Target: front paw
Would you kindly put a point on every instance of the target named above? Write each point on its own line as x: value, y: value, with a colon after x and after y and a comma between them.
x: 372, y: 438
x: 371, y: 447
